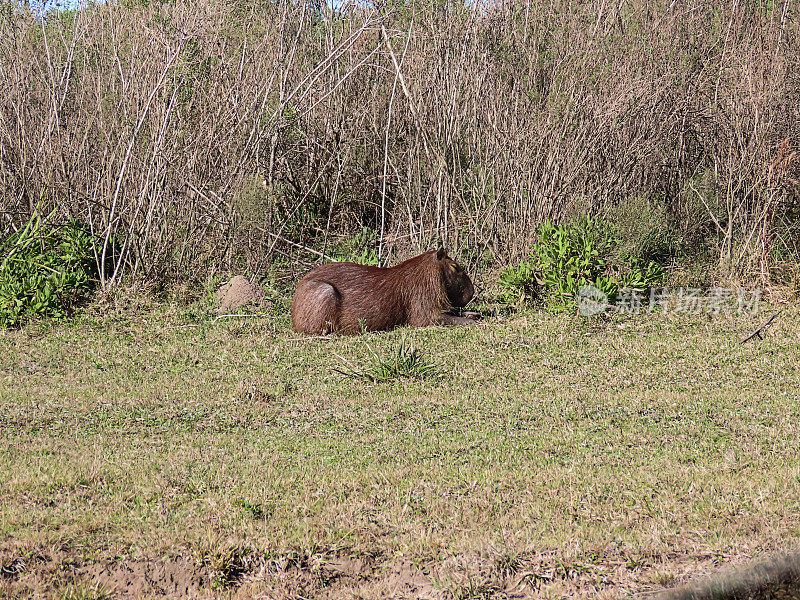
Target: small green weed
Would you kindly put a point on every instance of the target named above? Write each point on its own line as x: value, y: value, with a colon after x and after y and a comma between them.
x: 254, y: 509
x: 44, y: 270
x: 227, y: 565
x: 401, y: 360
x: 83, y: 592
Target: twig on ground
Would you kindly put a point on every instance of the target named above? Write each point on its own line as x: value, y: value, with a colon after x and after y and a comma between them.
x: 761, y: 329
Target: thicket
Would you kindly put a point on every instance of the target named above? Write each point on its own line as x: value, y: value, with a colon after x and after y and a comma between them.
x: 194, y: 137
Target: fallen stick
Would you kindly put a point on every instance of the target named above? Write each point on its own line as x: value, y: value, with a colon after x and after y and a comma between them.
x: 244, y: 315
x: 761, y: 329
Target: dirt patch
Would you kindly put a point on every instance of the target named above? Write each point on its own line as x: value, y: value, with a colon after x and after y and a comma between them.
x: 29, y: 572
x: 326, y: 576
x: 238, y: 292
x: 177, y: 578
x: 34, y: 573
x: 334, y: 576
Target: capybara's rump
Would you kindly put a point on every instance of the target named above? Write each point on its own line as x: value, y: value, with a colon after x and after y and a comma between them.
x: 318, y: 307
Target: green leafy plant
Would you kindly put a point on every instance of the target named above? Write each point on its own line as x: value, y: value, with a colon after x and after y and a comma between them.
x: 519, y: 283
x: 640, y: 276
x: 571, y: 256
x: 44, y: 270
x: 401, y: 360
x: 359, y: 248
x: 567, y: 257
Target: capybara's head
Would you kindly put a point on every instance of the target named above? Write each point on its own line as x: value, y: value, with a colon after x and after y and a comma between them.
x: 456, y: 281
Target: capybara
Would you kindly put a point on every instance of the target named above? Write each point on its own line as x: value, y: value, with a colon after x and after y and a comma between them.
x: 347, y: 297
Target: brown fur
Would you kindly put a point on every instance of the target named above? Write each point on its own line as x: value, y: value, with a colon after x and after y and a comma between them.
x: 341, y: 296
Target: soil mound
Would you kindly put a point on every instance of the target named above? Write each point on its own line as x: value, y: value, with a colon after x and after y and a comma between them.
x: 238, y: 292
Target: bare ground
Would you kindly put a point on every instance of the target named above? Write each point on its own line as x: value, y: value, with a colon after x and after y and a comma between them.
x: 64, y: 573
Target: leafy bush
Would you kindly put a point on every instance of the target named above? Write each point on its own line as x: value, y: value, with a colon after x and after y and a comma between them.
x: 572, y: 256
x: 567, y: 257
x: 44, y: 270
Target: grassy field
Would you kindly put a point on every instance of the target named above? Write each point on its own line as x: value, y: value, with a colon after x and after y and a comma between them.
x: 163, y: 453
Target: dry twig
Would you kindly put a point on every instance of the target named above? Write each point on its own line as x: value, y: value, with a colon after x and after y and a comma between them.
x: 761, y: 329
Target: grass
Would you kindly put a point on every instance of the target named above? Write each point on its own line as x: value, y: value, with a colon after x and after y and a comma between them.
x: 398, y: 362
x: 567, y: 454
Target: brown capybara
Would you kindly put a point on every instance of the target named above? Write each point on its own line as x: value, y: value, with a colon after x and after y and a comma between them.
x: 346, y: 297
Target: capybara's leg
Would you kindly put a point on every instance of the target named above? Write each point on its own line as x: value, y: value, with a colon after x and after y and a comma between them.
x: 454, y: 320
x: 316, y: 308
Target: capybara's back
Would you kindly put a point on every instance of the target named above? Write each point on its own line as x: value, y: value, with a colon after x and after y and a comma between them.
x: 348, y: 298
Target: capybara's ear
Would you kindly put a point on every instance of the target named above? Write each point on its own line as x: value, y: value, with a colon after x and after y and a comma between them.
x: 441, y: 253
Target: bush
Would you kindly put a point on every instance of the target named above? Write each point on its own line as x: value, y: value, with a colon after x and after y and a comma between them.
x: 601, y: 106
x: 44, y: 270
x: 567, y: 257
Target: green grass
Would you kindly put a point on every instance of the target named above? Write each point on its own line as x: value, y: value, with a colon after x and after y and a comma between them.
x: 556, y: 441
x: 397, y: 362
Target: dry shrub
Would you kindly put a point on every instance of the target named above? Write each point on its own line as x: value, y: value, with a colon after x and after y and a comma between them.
x: 195, y: 136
